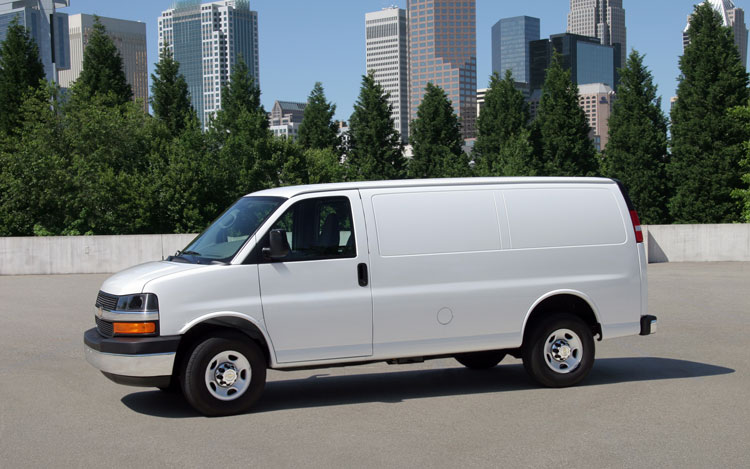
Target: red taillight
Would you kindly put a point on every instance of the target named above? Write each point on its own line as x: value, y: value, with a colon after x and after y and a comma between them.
x: 636, y: 226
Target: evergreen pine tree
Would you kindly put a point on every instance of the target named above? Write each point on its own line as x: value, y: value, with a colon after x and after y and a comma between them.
x: 562, y: 127
x: 706, y: 141
x: 436, y: 138
x: 103, y: 72
x: 375, y: 149
x: 742, y: 193
x: 318, y: 130
x: 240, y: 137
x: 502, y: 147
x: 637, y: 145
x: 170, y: 98
x: 241, y: 96
x: 21, y: 72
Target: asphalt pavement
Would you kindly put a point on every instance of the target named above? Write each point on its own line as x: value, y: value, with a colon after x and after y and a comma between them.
x: 675, y: 399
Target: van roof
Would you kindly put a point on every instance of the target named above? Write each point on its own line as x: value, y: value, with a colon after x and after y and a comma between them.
x: 293, y: 191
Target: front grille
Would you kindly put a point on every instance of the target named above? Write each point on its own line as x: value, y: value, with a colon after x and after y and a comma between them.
x: 106, y: 301
x: 105, y: 328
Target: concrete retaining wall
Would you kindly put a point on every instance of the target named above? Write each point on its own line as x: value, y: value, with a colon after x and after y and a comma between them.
x: 697, y: 243
x: 84, y: 254
x: 106, y: 254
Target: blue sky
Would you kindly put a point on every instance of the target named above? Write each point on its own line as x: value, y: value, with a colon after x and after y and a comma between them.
x: 304, y: 41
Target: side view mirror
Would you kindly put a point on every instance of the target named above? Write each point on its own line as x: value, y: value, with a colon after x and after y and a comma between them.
x: 279, y: 245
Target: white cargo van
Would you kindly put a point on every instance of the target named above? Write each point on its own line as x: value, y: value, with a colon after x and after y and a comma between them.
x: 397, y: 271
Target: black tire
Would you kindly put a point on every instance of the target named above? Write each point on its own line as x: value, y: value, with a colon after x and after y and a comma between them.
x: 480, y: 360
x: 544, y: 361
x: 236, y: 352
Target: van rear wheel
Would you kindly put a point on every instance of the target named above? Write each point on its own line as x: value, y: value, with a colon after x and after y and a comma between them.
x: 480, y: 360
x: 559, y: 352
x: 224, y: 375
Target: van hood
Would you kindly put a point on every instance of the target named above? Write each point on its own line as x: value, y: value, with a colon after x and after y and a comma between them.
x: 133, y: 279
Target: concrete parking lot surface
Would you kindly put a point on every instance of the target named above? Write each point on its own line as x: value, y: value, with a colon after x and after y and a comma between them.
x: 676, y: 399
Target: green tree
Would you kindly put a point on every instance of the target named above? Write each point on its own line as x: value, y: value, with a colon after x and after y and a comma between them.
x: 324, y: 165
x: 706, y: 141
x: 436, y: 138
x: 21, y: 71
x: 240, y: 138
x: 562, y: 127
x: 637, y: 147
x: 170, y: 98
x: 102, y: 72
x: 503, y: 146
x: 375, y: 149
x: 182, y: 179
x: 109, y: 149
x: 742, y: 116
x: 318, y: 130
x: 36, y: 170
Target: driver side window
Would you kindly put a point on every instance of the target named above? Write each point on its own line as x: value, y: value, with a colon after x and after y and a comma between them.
x: 317, y: 229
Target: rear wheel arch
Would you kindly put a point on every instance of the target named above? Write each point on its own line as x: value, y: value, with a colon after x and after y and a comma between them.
x: 562, y: 302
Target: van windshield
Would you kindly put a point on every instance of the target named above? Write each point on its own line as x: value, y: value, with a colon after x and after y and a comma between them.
x: 227, y: 234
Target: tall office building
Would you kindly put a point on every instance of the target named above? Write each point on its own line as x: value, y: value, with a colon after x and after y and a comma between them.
x: 443, y: 51
x: 732, y: 17
x: 386, y: 44
x: 587, y: 59
x: 510, y: 46
x: 596, y: 100
x: 48, y: 27
x: 206, y: 40
x: 603, y: 19
x: 130, y: 39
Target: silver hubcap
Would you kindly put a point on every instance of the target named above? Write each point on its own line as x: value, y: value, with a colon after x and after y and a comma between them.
x: 563, y: 351
x: 228, y: 375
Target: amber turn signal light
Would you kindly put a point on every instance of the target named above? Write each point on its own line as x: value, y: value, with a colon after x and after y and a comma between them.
x: 134, y: 327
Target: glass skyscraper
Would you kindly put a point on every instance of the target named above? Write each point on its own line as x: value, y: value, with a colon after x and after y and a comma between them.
x: 510, y: 46
x: 587, y: 59
x: 48, y: 28
x: 443, y: 51
x: 206, y: 40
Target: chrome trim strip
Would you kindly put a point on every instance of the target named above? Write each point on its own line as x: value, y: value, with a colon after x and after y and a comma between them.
x: 139, y: 316
x: 156, y: 364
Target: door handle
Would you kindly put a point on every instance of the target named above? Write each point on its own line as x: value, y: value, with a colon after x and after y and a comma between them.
x: 362, y: 274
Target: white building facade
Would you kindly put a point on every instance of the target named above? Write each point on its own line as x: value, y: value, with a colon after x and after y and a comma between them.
x: 387, y: 56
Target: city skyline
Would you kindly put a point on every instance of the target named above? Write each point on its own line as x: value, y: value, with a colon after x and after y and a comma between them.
x: 326, y: 44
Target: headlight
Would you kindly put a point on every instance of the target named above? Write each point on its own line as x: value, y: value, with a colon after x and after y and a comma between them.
x: 140, y: 303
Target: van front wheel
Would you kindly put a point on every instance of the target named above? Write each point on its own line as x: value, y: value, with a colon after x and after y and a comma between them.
x: 559, y: 352
x: 224, y: 375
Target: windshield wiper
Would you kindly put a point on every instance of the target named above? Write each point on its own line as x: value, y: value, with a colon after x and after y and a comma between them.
x: 189, y: 253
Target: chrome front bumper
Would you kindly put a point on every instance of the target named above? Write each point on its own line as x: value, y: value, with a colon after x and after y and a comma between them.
x: 136, y: 361
x: 152, y: 364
